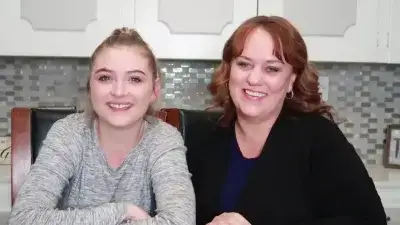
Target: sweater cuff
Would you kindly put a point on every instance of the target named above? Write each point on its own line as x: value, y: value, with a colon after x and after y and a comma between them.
x: 121, y: 209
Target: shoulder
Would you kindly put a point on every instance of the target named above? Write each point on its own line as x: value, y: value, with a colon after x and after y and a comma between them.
x: 206, y: 141
x: 68, y: 130
x: 161, y: 138
x: 65, y: 139
x: 73, y: 123
x: 166, y: 134
x: 319, y: 139
x: 322, y: 126
x: 313, y: 123
x: 325, y: 135
x: 310, y: 129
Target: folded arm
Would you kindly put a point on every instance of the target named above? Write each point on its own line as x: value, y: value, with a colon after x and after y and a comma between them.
x: 173, y: 191
x: 40, y: 193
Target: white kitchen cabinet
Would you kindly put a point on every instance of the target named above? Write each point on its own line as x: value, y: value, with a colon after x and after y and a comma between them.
x: 190, y: 29
x: 392, y: 34
x: 58, y: 27
x: 340, y: 30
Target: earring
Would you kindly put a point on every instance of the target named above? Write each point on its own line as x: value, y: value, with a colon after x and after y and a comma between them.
x: 290, y: 95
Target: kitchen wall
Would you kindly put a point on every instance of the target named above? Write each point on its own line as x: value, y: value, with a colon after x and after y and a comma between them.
x: 366, y: 96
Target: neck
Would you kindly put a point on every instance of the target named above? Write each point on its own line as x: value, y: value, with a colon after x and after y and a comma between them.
x: 119, y: 139
x: 256, y: 129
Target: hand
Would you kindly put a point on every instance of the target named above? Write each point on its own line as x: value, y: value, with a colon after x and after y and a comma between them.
x: 134, y: 212
x: 229, y: 219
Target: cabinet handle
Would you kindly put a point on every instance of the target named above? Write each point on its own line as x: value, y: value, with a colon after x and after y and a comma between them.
x: 387, y: 40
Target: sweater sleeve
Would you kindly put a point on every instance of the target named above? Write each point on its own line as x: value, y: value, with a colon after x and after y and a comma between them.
x: 55, y: 165
x: 171, y: 183
x: 343, y: 191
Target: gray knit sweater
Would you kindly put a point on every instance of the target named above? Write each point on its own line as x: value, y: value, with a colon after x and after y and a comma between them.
x: 71, y: 182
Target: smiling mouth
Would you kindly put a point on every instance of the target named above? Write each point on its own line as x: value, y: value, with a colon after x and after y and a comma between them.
x: 119, y: 106
x: 254, y: 94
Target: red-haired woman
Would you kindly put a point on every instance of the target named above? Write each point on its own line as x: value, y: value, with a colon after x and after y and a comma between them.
x: 277, y: 156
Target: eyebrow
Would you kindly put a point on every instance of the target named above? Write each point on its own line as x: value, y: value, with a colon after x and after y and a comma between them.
x: 268, y: 61
x: 111, y: 71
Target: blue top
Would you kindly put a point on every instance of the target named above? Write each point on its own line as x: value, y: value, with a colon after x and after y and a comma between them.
x: 236, y: 178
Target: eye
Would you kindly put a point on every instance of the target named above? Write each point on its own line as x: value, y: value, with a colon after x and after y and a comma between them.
x: 272, y: 69
x: 243, y: 64
x: 104, y: 78
x: 135, y: 79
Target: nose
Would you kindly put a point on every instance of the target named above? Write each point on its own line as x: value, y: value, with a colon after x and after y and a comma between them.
x: 255, y: 77
x: 119, y: 88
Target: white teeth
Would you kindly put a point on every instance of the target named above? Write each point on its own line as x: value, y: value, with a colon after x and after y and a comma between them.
x: 255, y: 94
x: 120, y: 106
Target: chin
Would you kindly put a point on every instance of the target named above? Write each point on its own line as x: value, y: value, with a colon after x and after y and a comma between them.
x: 120, y: 123
x: 251, y: 112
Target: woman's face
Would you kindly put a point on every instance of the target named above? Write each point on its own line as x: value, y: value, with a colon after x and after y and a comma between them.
x: 122, y: 86
x: 259, y: 81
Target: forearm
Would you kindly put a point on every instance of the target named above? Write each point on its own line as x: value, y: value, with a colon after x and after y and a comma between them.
x: 176, y: 203
x: 38, y: 198
x: 160, y: 220
x: 37, y: 205
x: 110, y: 214
x: 180, y: 212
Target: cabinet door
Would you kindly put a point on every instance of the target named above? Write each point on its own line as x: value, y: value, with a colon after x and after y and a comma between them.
x: 58, y: 27
x: 190, y: 29
x: 393, y: 35
x: 339, y: 30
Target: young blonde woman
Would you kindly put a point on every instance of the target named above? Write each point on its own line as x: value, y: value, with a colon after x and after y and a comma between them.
x: 115, y: 163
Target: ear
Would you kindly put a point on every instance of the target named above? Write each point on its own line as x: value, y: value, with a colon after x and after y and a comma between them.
x: 156, y: 89
x: 292, y: 79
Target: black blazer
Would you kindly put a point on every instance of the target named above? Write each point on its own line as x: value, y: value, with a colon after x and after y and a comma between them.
x: 308, y: 173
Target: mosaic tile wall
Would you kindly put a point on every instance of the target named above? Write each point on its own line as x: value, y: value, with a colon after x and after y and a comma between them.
x: 365, y: 95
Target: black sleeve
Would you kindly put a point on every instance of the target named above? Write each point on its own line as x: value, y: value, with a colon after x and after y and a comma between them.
x: 343, y: 192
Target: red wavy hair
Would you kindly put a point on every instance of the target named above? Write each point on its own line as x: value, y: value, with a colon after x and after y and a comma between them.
x: 290, y: 48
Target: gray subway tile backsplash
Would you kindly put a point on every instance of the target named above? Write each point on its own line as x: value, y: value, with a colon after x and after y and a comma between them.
x: 366, y: 96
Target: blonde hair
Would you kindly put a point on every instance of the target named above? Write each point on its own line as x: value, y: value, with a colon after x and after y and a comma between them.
x: 121, y: 37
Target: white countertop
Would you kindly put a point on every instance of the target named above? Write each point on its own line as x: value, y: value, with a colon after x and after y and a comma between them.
x: 383, y: 176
